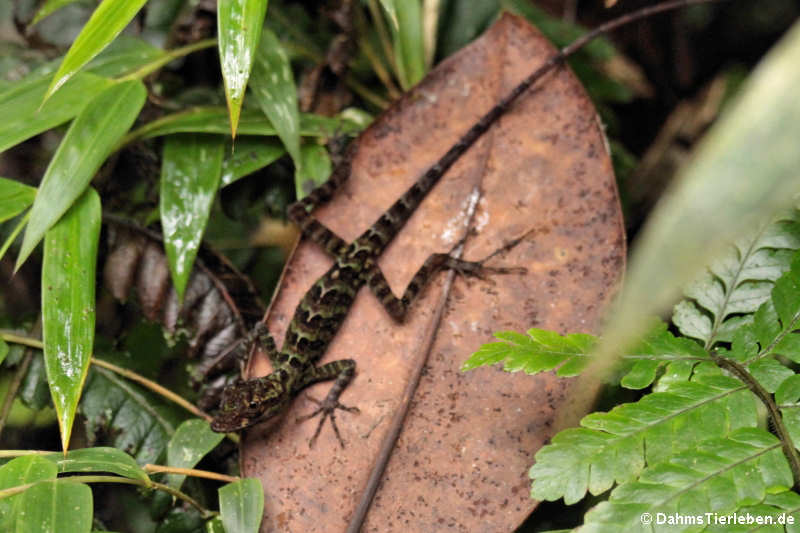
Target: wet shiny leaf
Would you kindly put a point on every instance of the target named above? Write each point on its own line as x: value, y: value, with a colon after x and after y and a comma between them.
x: 273, y: 86
x: 17, y: 472
x: 249, y: 154
x: 68, y: 287
x: 191, y: 442
x: 100, y: 459
x: 87, y: 144
x: 241, y: 505
x: 55, y: 506
x: 190, y: 176
x: 107, y: 21
x: 239, y: 25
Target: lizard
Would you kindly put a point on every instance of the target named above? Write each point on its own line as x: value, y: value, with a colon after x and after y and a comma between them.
x: 322, y: 310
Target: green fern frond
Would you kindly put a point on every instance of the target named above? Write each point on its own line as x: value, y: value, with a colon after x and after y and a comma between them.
x: 738, y: 283
x: 542, y: 351
x: 720, y: 476
x: 539, y: 351
x: 615, y: 446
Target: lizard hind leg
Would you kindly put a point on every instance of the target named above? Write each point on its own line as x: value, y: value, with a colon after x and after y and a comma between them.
x: 343, y: 370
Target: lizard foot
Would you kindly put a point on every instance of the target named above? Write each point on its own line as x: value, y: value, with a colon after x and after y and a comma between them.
x: 327, y: 408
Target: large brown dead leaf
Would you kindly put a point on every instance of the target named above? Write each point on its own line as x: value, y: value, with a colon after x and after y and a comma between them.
x: 461, y: 460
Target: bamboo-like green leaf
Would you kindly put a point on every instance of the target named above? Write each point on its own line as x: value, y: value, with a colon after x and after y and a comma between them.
x: 315, y: 170
x: 252, y: 122
x: 107, y: 21
x: 273, y: 86
x: 18, y: 472
x: 68, y: 282
x: 190, y: 175
x: 716, y: 196
x: 3, y: 350
x: 405, y: 18
x: 49, y: 7
x: 241, y: 506
x: 123, y: 56
x: 248, y: 155
x: 101, y: 459
x: 239, y: 24
x: 55, y: 506
x: 87, y: 144
x: 15, y: 197
x: 191, y: 442
x: 24, y: 115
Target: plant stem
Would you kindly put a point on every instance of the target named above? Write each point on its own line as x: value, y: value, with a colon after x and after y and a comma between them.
x: 383, y: 33
x: 774, y: 413
x: 160, y: 469
x: 16, y: 381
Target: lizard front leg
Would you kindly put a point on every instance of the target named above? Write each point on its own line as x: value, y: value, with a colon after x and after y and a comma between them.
x: 343, y: 370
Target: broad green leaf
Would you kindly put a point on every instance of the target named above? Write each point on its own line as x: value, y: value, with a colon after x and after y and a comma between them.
x: 101, y: 459
x: 87, y: 144
x: 716, y: 196
x: 56, y: 506
x: 24, y: 115
x: 190, y: 174
x: 68, y: 282
x: 132, y: 418
x: 315, y: 170
x: 252, y: 122
x: 15, y: 197
x: 405, y: 18
x: 239, y: 25
x: 191, y: 442
x: 247, y: 155
x: 107, y: 21
x: 14, y: 233
x: 273, y: 86
x: 241, y: 505
x: 17, y: 472
x: 215, y: 525
x: 49, y: 7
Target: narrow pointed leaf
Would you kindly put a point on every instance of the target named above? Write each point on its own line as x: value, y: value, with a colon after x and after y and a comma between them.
x: 215, y: 120
x: 409, y: 48
x: 101, y: 459
x: 273, y: 86
x: 87, y: 144
x: 17, y: 472
x: 191, y: 442
x: 316, y: 168
x: 24, y: 115
x: 123, y: 56
x: 239, y: 28
x: 15, y: 197
x: 68, y: 283
x: 190, y: 175
x: 49, y: 7
x: 248, y: 155
x: 55, y: 506
x: 107, y: 21
x: 241, y: 505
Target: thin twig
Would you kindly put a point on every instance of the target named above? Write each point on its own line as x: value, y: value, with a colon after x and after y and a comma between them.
x: 161, y: 469
x: 383, y: 33
x: 467, y: 140
x: 16, y: 381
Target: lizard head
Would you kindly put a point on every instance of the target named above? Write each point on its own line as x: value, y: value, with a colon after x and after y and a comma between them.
x: 247, y: 403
